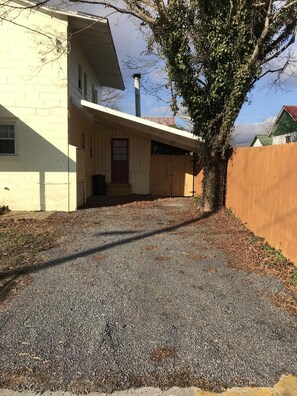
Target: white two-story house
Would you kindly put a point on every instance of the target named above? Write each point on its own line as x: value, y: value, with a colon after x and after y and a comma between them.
x: 54, y: 134
x: 49, y: 61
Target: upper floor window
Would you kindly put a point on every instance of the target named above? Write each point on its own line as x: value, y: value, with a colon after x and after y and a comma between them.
x: 7, y: 138
x: 85, y: 85
x: 94, y: 95
x: 79, y: 80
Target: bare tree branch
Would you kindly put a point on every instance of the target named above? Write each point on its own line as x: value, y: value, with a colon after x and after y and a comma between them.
x: 280, y: 51
x: 264, y: 33
x: 133, y: 10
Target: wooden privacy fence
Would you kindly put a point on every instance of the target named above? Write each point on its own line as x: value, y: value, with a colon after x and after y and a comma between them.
x: 172, y: 175
x: 262, y: 192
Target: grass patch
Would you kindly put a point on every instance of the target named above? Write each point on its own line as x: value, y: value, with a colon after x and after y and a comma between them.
x: 274, y: 256
x: 21, y: 242
x: 256, y: 239
x: 198, y: 200
x: 293, y: 277
x: 274, y: 259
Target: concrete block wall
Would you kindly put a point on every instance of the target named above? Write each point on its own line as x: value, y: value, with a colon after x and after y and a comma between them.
x: 34, y: 96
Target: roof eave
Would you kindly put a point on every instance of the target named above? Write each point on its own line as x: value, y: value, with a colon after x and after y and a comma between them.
x: 167, y: 134
x: 106, y: 69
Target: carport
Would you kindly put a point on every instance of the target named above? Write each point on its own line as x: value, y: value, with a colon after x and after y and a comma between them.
x: 125, y: 154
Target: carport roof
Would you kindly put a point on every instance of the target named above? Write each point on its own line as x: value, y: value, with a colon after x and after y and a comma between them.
x: 155, y: 131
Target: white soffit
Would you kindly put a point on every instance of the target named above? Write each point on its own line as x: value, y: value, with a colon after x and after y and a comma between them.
x: 163, y: 133
x: 94, y: 36
x: 95, y: 39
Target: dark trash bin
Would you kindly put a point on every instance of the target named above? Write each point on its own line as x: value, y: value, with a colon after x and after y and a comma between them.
x: 99, y: 185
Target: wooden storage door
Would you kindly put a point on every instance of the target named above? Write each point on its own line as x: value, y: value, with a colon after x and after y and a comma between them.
x: 171, y: 175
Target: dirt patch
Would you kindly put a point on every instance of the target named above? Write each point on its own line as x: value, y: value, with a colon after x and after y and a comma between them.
x: 21, y: 244
x: 250, y: 253
x: 159, y: 354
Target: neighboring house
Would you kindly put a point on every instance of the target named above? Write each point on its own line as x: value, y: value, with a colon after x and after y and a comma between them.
x: 54, y: 136
x: 261, y: 140
x: 169, y: 121
x: 284, y: 129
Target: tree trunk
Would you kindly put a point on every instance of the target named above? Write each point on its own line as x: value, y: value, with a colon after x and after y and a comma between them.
x: 214, y: 181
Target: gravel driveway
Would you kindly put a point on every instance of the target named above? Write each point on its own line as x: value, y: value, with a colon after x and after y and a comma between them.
x: 136, y: 295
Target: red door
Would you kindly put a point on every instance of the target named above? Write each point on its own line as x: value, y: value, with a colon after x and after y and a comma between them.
x: 120, y: 160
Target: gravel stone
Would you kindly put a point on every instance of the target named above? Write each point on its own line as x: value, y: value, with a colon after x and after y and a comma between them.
x: 135, y: 296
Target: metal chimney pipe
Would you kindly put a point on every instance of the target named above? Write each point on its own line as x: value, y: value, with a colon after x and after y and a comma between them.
x: 137, y: 78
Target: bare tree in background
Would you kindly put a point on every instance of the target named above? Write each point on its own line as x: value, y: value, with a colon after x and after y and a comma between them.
x: 112, y: 98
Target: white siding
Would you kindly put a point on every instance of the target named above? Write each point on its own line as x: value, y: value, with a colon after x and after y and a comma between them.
x: 76, y: 57
x: 33, y: 94
x: 279, y: 139
x: 139, y: 156
x: 81, y: 122
x: 258, y: 143
x: 282, y: 139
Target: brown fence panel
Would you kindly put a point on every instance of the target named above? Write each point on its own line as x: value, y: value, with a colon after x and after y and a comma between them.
x: 172, y: 175
x: 262, y: 192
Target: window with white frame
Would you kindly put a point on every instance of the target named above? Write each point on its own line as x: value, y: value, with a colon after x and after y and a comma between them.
x: 7, y: 138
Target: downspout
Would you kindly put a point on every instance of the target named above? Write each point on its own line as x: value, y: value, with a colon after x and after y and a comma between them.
x: 68, y: 122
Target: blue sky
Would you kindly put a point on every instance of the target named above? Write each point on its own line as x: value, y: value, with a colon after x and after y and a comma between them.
x: 263, y: 104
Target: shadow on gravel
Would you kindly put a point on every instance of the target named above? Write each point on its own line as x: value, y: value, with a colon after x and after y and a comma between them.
x: 51, y: 263
x: 100, y: 201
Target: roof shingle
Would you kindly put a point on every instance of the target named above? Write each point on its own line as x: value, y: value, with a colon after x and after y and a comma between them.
x: 292, y: 110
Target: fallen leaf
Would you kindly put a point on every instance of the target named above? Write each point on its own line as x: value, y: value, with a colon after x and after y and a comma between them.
x: 163, y: 258
x: 151, y: 247
x: 99, y: 257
